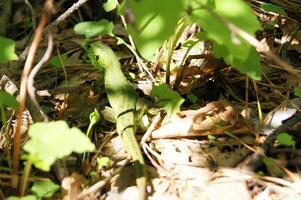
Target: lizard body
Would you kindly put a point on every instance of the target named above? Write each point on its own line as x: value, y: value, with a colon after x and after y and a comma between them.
x: 122, y: 97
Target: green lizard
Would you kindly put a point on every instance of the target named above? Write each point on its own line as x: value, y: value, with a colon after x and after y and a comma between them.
x: 122, y: 97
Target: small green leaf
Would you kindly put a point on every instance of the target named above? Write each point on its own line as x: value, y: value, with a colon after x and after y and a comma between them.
x: 297, y: 91
x: 28, y: 197
x: 45, y: 138
x: 169, y: 100
x: 103, y: 162
x: 211, y: 137
x: 269, y: 7
x: 272, y: 166
x: 55, y: 61
x: 92, y: 29
x: 8, y: 100
x: 7, y: 50
x: 192, y: 98
x: 44, y: 189
x: 110, y: 5
x: 285, y: 139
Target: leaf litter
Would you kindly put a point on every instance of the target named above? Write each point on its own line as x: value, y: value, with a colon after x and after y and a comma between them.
x: 186, y: 161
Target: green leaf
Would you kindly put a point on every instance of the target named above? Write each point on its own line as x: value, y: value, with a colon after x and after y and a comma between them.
x: 103, y: 162
x: 192, y: 98
x: 211, y: 137
x: 297, y: 91
x: 44, y: 189
x: 238, y: 13
x: 285, y: 139
x: 54, y: 140
x: 28, y: 197
x: 272, y: 166
x: 250, y: 66
x: 169, y: 100
x: 55, y: 61
x: 153, y: 21
x: 228, y: 45
x: 7, y: 50
x: 92, y: 29
x: 8, y: 100
x: 269, y: 7
x: 110, y: 5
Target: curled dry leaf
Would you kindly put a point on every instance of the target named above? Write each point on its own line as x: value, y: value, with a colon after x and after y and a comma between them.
x: 215, y: 118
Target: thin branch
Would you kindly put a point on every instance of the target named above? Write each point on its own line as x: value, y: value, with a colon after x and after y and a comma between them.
x: 33, y: 14
x: 30, y: 85
x: 100, y: 184
x: 68, y: 12
x: 134, y: 50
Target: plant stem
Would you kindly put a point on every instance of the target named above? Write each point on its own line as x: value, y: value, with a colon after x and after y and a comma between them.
x: 6, y: 132
x: 25, y: 176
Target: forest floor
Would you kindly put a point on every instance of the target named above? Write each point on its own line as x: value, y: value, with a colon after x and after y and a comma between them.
x: 249, y: 149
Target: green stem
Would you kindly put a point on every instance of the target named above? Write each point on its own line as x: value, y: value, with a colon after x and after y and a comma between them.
x: 183, y: 67
x: 25, y: 176
x: 171, y: 44
x: 6, y: 132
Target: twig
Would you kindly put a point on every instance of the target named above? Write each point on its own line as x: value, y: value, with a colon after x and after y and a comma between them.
x: 157, y: 61
x: 94, y: 188
x: 151, y: 128
x: 30, y: 85
x: 33, y: 14
x: 48, y: 10
x: 139, y: 60
x: 68, y: 12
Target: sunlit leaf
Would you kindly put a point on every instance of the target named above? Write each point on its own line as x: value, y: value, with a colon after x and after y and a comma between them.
x: 103, y: 162
x: 54, y: 140
x: 44, y: 189
x: 169, y: 100
x: 226, y: 44
x: 92, y: 29
x: 152, y: 22
x: 7, y: 50
x: 110, y: 5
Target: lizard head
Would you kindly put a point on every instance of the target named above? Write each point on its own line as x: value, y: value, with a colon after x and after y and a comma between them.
x: 100, y: 55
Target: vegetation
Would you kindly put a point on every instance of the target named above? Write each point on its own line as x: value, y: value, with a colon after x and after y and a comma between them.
x: 208, y: 87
